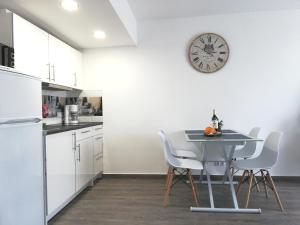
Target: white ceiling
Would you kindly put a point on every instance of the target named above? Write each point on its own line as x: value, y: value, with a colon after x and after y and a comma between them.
x: 162, y: 9
x: 75, y: 28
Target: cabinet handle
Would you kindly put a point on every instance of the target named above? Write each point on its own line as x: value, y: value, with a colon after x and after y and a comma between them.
x: 74, y: 144
x: 49, y: 72
x: 98, y: 128
x: 53, y: 70
x: 98, y: 138
x: 75, y: 79
x: 78, y: 152
x: 84, y: 132
x: 99, y: 157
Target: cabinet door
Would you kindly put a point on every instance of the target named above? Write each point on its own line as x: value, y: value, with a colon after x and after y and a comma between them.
x: 84, y: 162
x: 31, y: 48
x: 98, y: 164
x: 60, y: 62
x: 98, y: 155
x: 76, y: 65
x: 60, y: 160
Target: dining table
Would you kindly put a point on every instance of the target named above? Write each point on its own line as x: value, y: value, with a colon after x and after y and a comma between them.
x: 226, y: 144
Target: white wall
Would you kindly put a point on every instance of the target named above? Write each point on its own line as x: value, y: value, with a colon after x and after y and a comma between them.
x: 153, y: 86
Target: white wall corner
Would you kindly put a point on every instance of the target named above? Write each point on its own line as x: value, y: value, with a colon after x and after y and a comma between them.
x: 126, y: 16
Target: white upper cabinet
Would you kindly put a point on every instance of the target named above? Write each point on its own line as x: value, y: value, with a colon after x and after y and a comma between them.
x: 76, y: 65
x: 31, y: 48
x: 40, y: 54
x: 60, y: 62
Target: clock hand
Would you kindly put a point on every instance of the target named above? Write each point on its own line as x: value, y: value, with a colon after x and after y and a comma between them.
x: 208, y: 52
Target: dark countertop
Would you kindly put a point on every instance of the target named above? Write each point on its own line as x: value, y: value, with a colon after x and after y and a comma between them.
x: 58, y: 128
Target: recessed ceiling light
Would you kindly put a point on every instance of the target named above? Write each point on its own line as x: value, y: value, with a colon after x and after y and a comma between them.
x: 99, y: 34
x: 69, y: 5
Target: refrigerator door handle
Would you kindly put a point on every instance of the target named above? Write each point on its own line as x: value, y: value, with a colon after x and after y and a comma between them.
x: 18, y: 121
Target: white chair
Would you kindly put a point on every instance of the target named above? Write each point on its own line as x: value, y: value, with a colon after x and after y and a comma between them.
x: 178, y: 163
x: 180, y: 153
x: 263, y: 163
x: 248, y: 150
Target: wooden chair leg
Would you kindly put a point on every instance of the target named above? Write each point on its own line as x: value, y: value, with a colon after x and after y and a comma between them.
x: 249, y: 188
x: 240, y: 183
x: 256, y: 184
x: 274, y: 190
x: 168, y: 176
x: 169, y: 187
x: 195, y: 195
x: 264, y: 182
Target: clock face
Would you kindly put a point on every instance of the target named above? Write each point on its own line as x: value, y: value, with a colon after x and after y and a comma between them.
x: 208, y: 53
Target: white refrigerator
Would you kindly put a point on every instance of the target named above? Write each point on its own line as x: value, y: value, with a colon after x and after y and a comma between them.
x: 21, y: 150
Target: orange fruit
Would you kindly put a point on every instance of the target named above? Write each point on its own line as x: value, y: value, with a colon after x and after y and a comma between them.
x: 210, y: 131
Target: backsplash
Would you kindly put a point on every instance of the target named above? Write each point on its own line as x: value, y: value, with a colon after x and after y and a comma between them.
x: 89, y: 104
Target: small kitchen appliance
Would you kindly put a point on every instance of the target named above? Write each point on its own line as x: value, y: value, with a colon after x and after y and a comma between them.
x: 71, y: 114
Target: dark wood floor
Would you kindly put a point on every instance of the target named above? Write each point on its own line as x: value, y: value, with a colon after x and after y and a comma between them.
x: 138, y: 201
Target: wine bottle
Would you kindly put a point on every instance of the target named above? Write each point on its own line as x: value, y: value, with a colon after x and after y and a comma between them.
x: 215, y: 120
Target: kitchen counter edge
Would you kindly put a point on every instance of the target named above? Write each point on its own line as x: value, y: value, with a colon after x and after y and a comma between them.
x: 65, y: 128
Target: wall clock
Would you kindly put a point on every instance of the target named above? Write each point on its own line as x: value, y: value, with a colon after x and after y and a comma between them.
x: 208, y: 52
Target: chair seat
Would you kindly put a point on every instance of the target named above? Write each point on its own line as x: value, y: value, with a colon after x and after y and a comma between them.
x: 250, y: 164
x: 265, y: 161
x: 185, y: 153
x: 190, y: 164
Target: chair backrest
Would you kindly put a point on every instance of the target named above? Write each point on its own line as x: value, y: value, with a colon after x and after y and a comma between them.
x: 170, y: 159
x: 250, y: 146
x: 169, y: 142
x: 254, y: 132
x: 270, y: 149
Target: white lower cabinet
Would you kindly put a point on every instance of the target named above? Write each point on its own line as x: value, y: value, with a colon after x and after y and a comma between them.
x: 98, y: 155
x: 73, y: 160
x: 60, y: 167
x: 84, y: 162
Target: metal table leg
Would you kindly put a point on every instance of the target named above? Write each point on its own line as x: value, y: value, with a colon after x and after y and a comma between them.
x: 227, y: 174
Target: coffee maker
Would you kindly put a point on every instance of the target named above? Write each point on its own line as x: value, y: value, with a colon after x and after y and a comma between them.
x: 71, y: 114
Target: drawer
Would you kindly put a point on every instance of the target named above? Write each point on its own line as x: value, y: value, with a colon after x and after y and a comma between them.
x: 98, y: 130
x: 84, y: 133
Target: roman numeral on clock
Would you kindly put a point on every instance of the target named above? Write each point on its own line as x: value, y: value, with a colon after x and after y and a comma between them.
x: 223, y: 53
x: 220, y: 60
x: 209, y: 38
x: 195, y: 53
x: 207, y: 67
x: 200, y: 65
x: 220, y: 46
x: 201, y: 39
x: 196, y: 59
